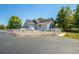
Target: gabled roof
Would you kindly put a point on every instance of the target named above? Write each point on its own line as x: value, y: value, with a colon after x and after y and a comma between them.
x: 29, y: 21
x: 46, y: 20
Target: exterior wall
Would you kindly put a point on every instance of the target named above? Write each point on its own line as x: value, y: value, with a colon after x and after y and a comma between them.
x: 29, y: 25
x: 26, y: 25
x: 32, y: 26
x: 42, y: 27
x: 48, y: 25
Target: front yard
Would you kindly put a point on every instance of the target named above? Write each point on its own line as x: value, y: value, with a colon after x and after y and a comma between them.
x: 72, y: 35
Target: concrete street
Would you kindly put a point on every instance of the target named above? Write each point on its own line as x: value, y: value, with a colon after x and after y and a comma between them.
x: 10, y: 44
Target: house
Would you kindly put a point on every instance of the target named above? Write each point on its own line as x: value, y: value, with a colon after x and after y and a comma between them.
x: 29, y: 24
x: 47, y: 24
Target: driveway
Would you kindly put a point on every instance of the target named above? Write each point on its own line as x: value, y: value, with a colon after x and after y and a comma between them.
x: 29, y: 44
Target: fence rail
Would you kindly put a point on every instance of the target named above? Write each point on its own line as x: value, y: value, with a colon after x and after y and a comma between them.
x: 27, y: 31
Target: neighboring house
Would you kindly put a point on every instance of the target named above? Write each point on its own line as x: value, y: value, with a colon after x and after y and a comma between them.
x: 47, y: 24
x: 29, y: 24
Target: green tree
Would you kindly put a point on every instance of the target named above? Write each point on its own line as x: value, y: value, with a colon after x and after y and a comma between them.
x: 65, y: 19
x: 7, y: 27
x: 2, y: 26
x: 70, y: 22
x: 14, y: 23
x: 61, y: 18
x: 40, y: 19
x: 69, y: 19
x: 76, y: 15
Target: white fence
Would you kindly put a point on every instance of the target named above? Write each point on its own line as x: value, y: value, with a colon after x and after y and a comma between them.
x: 33, y: 32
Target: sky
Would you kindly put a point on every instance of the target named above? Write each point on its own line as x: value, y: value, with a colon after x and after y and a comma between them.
x: 30, y: 11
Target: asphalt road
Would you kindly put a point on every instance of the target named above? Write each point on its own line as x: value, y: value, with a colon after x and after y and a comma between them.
x: 10, y: 44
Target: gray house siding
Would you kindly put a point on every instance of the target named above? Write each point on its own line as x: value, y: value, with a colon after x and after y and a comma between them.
x: 45, y: 25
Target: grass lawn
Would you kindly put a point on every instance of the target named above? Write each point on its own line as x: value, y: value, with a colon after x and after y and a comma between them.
x: 72, y: 35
